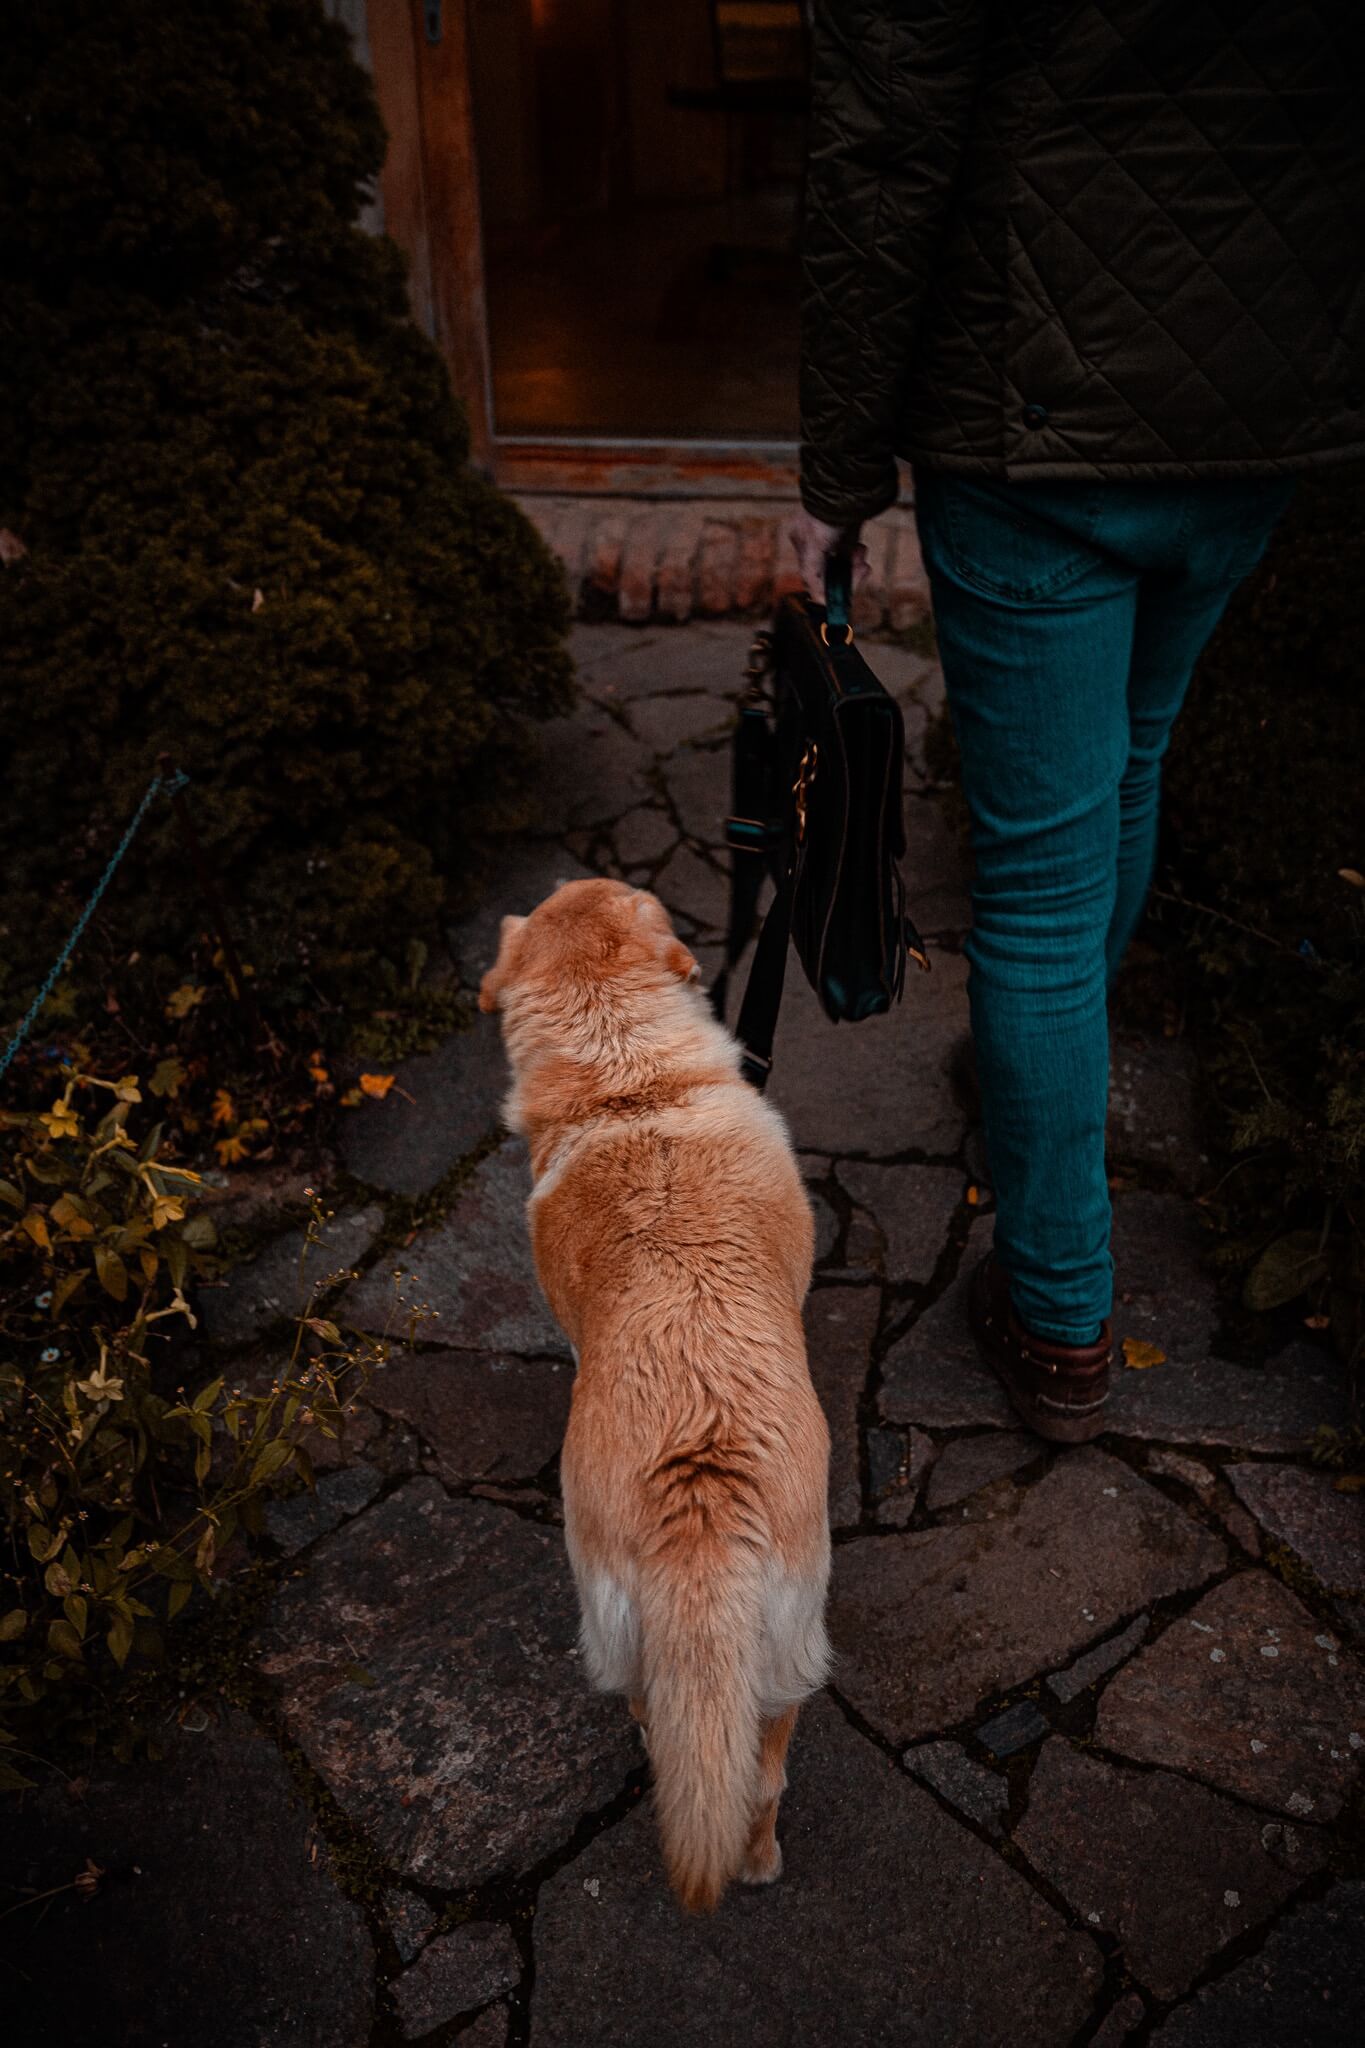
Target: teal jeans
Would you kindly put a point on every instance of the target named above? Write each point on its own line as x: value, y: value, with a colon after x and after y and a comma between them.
x: 1069, y: 618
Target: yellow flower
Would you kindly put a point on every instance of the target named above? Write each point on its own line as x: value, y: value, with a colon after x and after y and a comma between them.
x: 61, y: 1120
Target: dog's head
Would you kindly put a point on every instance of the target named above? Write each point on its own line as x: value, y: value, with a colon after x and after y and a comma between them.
x: 587, y: 936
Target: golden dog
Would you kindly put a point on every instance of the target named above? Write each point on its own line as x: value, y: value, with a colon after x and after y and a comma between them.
x: 673, y: 1237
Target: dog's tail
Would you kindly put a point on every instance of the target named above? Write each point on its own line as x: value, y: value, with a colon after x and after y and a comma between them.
x: 702, y: 1621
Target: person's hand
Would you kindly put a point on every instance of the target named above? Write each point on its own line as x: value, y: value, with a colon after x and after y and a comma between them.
x: 815, y: 541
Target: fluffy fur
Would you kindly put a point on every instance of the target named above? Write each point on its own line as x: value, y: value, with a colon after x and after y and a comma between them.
x: 673, y: 1238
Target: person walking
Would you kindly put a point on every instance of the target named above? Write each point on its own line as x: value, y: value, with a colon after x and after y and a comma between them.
x: 1097, y: 271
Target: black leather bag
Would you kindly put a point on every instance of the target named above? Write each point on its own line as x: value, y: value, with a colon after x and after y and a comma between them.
x: 818, y: 764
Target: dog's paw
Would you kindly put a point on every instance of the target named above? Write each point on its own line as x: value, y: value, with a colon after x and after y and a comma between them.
x: 765, y: 1868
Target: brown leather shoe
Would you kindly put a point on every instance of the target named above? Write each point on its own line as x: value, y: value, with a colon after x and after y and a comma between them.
x: 1060, y: 1390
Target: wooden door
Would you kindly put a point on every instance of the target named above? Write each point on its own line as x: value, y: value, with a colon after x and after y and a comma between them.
x: 419, y: 52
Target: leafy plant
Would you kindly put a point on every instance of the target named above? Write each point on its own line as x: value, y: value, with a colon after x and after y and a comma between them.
x: 120, y: 1490
x: 1266, y: 898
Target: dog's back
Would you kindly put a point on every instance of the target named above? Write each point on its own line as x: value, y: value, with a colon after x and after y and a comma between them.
x: 695, y: 1465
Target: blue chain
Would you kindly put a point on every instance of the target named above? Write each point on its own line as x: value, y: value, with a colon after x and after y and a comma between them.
x: 169, y: 783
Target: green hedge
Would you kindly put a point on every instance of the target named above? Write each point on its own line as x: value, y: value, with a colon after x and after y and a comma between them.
x: 253, y: 535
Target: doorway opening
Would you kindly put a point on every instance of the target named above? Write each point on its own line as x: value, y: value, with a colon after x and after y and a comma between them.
x: 640, y: 185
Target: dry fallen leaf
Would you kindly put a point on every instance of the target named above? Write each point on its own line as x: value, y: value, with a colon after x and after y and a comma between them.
x: 257, y: 600
x: 973, y: 1197
x: 1353, y: 876
x: 12, y: 549
x: 1140, y: 1355
x: 184, y: 999
x: 377, y: 1084
x: 1349, y: 1482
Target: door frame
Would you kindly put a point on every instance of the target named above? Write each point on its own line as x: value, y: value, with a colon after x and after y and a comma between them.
x: 430, y: 190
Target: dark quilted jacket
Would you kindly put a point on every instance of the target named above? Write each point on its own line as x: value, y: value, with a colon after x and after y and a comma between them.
x: 1115, y: 238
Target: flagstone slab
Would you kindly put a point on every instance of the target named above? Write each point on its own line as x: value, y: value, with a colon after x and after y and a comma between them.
x: 840, y: 1325
x: 622, y: 666
x: 691, y: 889
x: 1120, y: 2022
x: 664, y: 723
x: 1098, y: 1663
x: 591, y: 770
x: 897, y: 1460
x: 933, y: 1376
x: 984, y: 1796
x: 643, y: 836
x: 891, y: 1923
x: 1248, y: 1692
x: 453, y: 1974
x: 1153, y: 1107
x: 1164, y: 1293
x: 216, y: 1919
x: 881, y: 1087
x: 1305, y: 1987
x: 936, y: 866
x: 698, y: 783
x: 298, y: 1521
x: 1175, y: 1872
x: 970, y: 1462
x: 442, y: 1105
x: 483, y: 1415
x: 928, y: 1624
x: 426, y: 1664
x: 410, y: 1920
x: 1303, y: 1509
x: 469, y: 1277
x: 279, y: 1283
x: 520, y: 874
x: 913, y: 1207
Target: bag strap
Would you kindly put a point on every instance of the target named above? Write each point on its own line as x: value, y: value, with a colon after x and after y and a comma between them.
x: 839, y: 593
x: 757, y: 1025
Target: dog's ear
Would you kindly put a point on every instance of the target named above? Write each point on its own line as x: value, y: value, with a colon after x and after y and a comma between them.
x: 679, y: 961
x: 491, y: 987
x: 672, y: 951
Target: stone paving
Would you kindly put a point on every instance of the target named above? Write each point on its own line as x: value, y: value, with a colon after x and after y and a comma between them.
x: 1088, y: 1770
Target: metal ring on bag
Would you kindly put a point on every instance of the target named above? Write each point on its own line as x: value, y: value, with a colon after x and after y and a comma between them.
x: 824, y: 634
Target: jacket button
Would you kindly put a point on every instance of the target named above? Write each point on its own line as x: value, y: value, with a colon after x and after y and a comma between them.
x: 1035, y: 415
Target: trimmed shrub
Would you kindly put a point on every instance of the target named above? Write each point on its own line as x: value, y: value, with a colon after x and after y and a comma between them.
x: 253, y: 538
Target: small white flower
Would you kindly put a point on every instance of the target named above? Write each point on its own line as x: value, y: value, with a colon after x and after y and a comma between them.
x: 1257, y: 1746
x: 1231, y: 1898
x: 592, y: 1886
x: 1325, y: 1642
x: 1269, y: 1650
x: 1216, y: 1656
x: 1299, y: 1802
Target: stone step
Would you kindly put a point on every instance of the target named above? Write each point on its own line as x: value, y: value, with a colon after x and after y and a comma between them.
x: 642, y: 559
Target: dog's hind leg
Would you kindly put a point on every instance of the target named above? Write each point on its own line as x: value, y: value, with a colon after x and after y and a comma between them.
x: 763, y: 1857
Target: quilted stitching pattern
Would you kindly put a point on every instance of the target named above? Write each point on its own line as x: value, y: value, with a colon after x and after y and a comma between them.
x: 1081, y: 237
